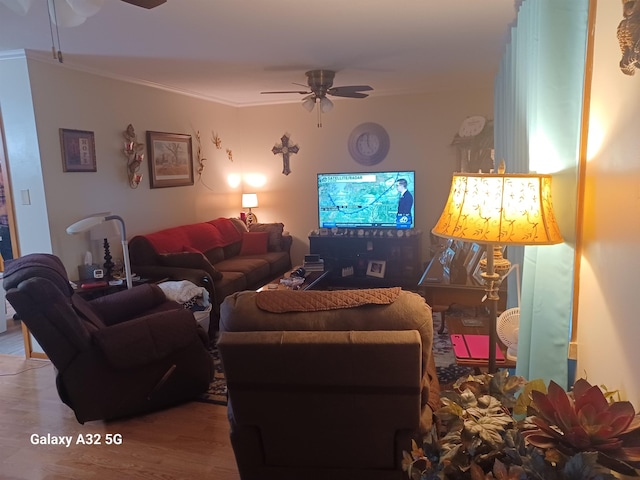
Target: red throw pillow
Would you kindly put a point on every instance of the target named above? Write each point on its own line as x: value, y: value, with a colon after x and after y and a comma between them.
x: 254, y: 243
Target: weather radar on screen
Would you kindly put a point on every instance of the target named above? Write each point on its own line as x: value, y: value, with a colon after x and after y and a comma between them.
x: 361, y: 200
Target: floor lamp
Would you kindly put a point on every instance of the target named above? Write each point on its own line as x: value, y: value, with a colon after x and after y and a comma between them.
x: 95, y: 220
x: 497, y: 210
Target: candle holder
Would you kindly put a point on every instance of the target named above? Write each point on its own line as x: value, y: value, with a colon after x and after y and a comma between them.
x: 133, y: 152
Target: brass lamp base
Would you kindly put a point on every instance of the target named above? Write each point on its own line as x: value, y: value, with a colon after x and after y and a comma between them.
x: 494, y: 268
x: 251, y: 218
x: 501, y: 267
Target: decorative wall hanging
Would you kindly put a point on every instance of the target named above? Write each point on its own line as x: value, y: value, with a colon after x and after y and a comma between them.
x: 170, y: 159
x: 285, y: 150
x: 133, y: 152
x: 78, y: 150
x: 201, y: 160
x: 216, y: 140
x: 629, y: 37
x: 474, y: 144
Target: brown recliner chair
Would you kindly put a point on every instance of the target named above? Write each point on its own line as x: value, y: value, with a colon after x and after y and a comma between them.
x: 327, y: 385
x: 118, y: 355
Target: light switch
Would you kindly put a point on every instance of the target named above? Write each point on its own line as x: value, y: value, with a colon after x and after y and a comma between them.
x: 26, y: 198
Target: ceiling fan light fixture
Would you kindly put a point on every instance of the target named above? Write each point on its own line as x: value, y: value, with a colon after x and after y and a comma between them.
x: 21, y: 7
x: 326, y: 105
x: 85, y: 8
x: 309, y: 102
x: 63, y: 15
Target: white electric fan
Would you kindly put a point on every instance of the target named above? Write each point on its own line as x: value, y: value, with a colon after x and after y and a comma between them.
x: 509, y: 323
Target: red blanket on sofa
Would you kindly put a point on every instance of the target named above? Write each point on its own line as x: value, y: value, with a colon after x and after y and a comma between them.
x: 197, y: 236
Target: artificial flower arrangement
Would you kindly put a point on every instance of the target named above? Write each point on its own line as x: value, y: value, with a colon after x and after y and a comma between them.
x: 581, y: 435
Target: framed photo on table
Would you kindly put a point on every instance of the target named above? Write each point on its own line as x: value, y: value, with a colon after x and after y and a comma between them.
x: 376, y: 268
x: 78, y: 150
x: 477, y: 271
x: 446, y: 258
x: 170, y: 159
x: 473, y: 257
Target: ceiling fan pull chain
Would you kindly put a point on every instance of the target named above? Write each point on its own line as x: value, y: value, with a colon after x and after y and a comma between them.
x: 53, y: 18
x: 319, y: 113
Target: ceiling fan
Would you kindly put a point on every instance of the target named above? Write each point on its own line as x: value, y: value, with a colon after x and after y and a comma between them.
x: 320, y: 83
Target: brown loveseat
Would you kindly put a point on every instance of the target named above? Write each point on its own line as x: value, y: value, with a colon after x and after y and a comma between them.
x: 326, y: 385
x: 221, y: 255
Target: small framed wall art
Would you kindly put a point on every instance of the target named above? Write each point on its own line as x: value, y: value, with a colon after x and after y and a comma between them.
x: 170, y: 159
x: 78, y: 150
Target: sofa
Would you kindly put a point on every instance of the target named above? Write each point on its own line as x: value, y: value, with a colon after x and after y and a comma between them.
x: 327, y: 384
x: 222, y: 255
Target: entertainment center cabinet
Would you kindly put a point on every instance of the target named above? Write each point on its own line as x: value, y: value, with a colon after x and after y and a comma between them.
x: 348, y: 256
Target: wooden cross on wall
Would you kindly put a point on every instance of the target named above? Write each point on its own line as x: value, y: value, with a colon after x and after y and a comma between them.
x: 285, y: 150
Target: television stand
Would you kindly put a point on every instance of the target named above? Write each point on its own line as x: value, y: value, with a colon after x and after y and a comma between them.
x: 347, y: 257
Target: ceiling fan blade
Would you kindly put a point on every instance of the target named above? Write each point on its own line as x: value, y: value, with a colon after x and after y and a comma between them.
x: 349, y: 94
x: 352, y: 91
x: 291, y: 91
x: 146, y: 3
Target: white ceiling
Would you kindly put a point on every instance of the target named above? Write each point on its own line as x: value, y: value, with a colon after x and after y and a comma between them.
x: 231, y: 50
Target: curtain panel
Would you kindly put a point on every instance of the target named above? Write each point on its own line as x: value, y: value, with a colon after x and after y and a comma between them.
x: 538, y: 95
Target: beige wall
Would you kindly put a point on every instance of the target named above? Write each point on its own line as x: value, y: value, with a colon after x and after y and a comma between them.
x: 608, y: 325
x: 421, y: 128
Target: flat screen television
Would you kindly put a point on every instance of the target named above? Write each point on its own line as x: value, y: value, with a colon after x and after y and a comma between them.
x: 366, y: 200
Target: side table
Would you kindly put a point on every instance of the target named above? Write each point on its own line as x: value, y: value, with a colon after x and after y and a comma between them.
x: 440, y: 293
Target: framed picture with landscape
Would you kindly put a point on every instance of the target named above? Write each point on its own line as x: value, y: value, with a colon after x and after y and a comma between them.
x: 170, y: 159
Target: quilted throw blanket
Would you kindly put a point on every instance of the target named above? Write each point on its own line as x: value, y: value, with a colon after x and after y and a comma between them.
x: 281, y: 301
x: 185, y: 292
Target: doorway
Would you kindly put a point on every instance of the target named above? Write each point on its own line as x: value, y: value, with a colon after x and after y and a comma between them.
x: 11, y: 336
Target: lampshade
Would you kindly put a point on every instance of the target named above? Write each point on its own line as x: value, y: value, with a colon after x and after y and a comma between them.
x: 61, y: 14
x: 97, y: 219
x: 513, y: 209
x: 309, y: 102
x: 104, y: 230
x: 326, y: 105
x: 20, y: 7
x: 86, y: 8
x: 249, y: 200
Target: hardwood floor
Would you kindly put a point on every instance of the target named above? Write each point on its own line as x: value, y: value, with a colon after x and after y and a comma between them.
x: 185, y: 442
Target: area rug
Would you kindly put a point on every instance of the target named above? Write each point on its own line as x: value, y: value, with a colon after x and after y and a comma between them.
x: 217, y: 393
x: 446, y: 368
x: 444, y: 357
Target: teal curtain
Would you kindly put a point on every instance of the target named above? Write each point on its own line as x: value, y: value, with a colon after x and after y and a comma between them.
x: 538, y: 107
